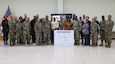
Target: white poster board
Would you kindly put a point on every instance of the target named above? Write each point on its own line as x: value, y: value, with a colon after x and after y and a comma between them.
x: 64, y: 37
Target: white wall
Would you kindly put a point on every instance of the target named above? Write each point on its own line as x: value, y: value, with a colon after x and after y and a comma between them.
x: 46, y: 7
x: 91, y: 8
x: 30, y: 7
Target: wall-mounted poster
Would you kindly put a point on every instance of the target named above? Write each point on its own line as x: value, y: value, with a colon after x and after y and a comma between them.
x: 57, y: 16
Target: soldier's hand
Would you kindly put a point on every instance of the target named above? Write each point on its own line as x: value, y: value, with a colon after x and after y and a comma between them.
x: 14, y: 30
x: 28, y: 30
x: 106, y: 30
x: 92, y: 31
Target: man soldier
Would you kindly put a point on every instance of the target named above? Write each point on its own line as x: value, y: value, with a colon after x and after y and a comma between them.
x: 48, y: 39
x: 46, y: 30
x: 19, y: 32
x: 77, y: 28
x: 108, y: 31
x: 26, y: 31
x: 38, y: 32
x: 102, y: 28
x: 61, y: 23
x: 12, y: 30
x: 94, y: 33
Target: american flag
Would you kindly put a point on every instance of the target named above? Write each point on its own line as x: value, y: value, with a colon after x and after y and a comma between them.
x: 8, y: 12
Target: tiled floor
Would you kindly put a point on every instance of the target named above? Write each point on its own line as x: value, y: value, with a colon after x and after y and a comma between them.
x: 50, y: 54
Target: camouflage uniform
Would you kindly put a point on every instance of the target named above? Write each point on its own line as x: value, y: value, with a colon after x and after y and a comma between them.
x: 19, y: 32
x: 38, y: 32
x: 94, y: 33
x: 49, y: 31
x: 108, y: 26
x: 102, y: 32
x: 12, y: 31
x: 46, y: 29
x: 77, y: 28
x: 26, y: 32
x: 61, y: 25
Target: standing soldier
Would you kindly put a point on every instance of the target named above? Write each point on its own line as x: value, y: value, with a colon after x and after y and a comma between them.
x: 94, y: 33
x: 61, y: 23
x: 108, y: 31
x: 77, y: 28
x: 19, y: 31
x: 26, y: 31
x: 46, y: 30
x: 33, y: 21
x: 12, y: 30
x: 21, y: 19
x: 102, y: 28
x: 38, y: 32
x: 48, y: 39
x: 5, y: 29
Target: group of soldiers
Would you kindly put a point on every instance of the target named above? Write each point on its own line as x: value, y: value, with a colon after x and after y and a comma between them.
x: 106, y: 27
x: 91, y: 29
x: 103, y: 28
x: 22, y: 31
x: 17, y: 30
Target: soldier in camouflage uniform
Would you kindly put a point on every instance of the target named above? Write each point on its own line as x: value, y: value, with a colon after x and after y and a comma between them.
x: 102, y: 28
x: 38, y: 32
x: 48, y: 39
x: 26, y: 31
x: 12, y: 30
x: 61, y: 23
x: 94, y: 33
x: 45, y: 29
x: 108, y: 31
x: 77, y: 28
x: 19, y: 31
